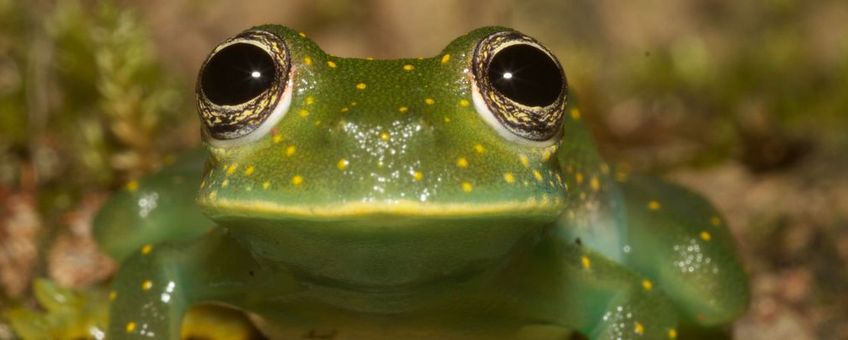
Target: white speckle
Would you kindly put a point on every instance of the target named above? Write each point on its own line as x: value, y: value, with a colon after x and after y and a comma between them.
x: 144, y: 331
x: 690, y: 258
x: 166, y: 296
x: 379, y: 149
x: 96, y: 333
x: 256, y: 74
x: 616, y: 320
x: 146, y: 203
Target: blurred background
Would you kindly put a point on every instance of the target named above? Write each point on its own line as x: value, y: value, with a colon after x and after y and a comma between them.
x: 744, y: 101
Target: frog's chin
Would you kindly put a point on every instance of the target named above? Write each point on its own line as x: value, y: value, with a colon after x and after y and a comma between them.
x: 381, y: 249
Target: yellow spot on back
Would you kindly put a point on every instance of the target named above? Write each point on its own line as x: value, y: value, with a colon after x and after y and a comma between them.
x: 113, y: 295
x: 290, y: 150
x: 310, y: 100
x: 403, y: 109
x: 384, y: 136
x: 331, y: 64
x: 654, y: 205
x: 307, y: 60
x: 361, y: 86
x: 638, y: 328
x: 509, y: 177
x: 131, y: 186
x: 146, y: 285
x: 429, y: 101
x: 595, y: 183
x: 249, y: 170
x: 446, y: 58
x: 213, y: 195
x: 225, y: 183
x: 537, y: 175
x: 418, y: 175
x: 266, y: 185
x: 575, y: 114
x: 524, y: 160
x: 344, y: 109
x: 342, y: 164
x: 297, y: 180
x: 647, y: 284
x: 231, y: 169
x: 715, y: 221
x: 278, y: 138
x: 467, y: 187
x: 146, y: 249
x: 464, y: 102
x: 462, y: 162
x: 546, y: 155
x: 478, y: 148
x: 301, y: 34
x: 705, y: 235
x: 130, y: 327
x: 578, y: 177
x: 408, y: 67
x: 303, y: 113
x: 586, y: 262
x: 672, y: 333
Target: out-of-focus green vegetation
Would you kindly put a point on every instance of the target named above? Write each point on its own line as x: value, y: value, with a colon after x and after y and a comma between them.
x: 83, y: 99
x: 751, y: 94
x: 757, y: 81
x: 85, y: 104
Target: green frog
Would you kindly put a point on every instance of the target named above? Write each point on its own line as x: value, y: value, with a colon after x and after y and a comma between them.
x: 458, y: 196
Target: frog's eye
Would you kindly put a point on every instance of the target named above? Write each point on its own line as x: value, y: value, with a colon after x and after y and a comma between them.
x: 519, y: 88
x: 243, y: 88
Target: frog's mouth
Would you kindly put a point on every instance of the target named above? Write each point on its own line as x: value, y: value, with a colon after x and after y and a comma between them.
x: 398, y: 208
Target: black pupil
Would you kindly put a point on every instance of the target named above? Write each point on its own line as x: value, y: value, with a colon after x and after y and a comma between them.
x: 526, y: 74
x: 236, y: 74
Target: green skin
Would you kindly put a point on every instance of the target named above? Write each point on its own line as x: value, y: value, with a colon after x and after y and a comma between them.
x: 353, y: 218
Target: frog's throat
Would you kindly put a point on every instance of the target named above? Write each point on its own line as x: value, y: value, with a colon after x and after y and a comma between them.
x: 544, y: 206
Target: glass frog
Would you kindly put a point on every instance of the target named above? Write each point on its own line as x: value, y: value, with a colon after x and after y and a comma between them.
x: 458, y: 196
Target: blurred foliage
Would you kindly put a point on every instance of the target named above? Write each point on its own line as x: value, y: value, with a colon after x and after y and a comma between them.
x: 700, y: 82
x: 84, y: 103
x: 82, y: 97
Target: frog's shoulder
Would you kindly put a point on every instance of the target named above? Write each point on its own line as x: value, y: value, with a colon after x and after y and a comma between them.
x: 153, y: 209
x: 680, y: 241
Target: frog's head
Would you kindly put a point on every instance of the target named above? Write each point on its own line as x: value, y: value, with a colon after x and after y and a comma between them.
x: 457, y: 148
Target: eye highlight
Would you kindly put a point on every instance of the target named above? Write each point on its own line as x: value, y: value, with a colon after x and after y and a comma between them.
x: 243, y: 87
x: 519, y: 87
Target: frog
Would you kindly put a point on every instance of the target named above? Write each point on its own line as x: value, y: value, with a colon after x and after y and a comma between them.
x: 459, y: 196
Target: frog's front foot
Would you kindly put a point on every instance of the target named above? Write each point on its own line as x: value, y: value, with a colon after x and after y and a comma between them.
x: 566, y: 285
x: 156, y: 286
